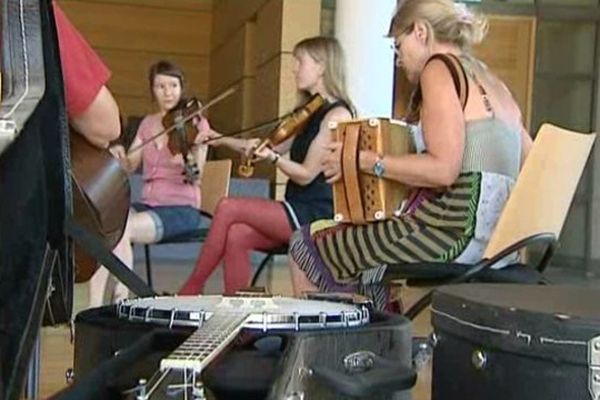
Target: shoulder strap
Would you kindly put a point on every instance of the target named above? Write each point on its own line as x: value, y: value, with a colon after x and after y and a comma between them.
x: 338, y: 103
x: 459, y: 76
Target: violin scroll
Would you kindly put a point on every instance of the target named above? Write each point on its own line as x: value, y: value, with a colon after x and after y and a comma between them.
x: 246, y: 167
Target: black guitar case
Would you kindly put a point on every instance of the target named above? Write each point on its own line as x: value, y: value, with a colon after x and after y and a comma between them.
x: 34, y: 184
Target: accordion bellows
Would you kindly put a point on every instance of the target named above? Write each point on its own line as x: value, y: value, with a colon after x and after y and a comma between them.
x: 359, y: 197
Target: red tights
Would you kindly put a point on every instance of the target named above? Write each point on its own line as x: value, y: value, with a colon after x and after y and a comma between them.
x: 238, y: 226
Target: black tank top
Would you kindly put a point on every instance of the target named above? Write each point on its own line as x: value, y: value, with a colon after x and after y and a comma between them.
x: 315, y: 200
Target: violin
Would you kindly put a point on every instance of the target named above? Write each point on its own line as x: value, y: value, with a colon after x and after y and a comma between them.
x: 291, y: 125
x: 182, y: 136
x: 179, y: 124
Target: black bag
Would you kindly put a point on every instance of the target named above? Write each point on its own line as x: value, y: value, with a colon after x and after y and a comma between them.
x: 516, y: 342
x: 112, y: 354
x: 282, y: 372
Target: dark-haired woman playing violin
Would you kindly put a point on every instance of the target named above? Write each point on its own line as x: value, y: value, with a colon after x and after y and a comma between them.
x: 169, y: 206
x: 241, y: 225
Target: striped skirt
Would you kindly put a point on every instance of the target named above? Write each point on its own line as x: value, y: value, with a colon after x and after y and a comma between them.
x: 353, y: 258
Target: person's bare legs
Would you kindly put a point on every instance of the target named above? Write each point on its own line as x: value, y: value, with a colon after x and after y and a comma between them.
x: 140, y: 229
x: 97, y: 287
x: 300, y: 282
x: 124, y: 252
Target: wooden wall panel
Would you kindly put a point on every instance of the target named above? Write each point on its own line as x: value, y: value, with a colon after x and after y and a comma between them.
x: 230, y: 114
x: 131, y: 77
x: 231, y: 14
x: 288, y: 100
x: 268, y: 32
x: 266, y: 91
x: 131, y: 105
x: 140, y: 28
x: 232, y: 65
x: 288, y: 95
x: 402, y: 90
x: 279, y: 191
x: 187, y: 5
x: 508, y: 50
x: 231, y: 59
x: 130, y: 35
x: 302, y: 19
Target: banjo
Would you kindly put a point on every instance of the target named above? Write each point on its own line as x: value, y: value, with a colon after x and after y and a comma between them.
x: 219, y: 319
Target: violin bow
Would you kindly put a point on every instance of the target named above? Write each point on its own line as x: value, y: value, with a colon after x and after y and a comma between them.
x: 210, y: 103
x: 264, y: 125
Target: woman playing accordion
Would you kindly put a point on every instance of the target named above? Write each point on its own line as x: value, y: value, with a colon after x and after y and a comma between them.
x: 474, y: 143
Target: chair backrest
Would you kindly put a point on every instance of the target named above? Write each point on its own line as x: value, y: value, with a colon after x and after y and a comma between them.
x: 545, y: 187
x: 215, y: 183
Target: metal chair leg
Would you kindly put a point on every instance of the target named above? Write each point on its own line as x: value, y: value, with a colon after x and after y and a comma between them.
x: 32, y: 385
x: 260, y: 268
x: 148, y: 266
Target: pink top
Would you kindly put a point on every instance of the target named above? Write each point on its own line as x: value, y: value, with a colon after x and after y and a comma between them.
x: 162, y: 172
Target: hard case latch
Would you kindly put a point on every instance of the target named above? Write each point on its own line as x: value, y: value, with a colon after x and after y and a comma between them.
x: 8, y: 132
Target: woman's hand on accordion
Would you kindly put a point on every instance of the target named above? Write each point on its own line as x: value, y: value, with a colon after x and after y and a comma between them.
x: 332, y: 164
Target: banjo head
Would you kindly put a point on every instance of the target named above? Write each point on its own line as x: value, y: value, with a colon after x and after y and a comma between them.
x: 264, y: 313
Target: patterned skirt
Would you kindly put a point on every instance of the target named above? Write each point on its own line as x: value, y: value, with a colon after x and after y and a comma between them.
x: 436, y: 227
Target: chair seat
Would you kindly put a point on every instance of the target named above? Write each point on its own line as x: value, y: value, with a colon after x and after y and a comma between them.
x: 426, y: 274
x: 279, y: 251
x: 198, y: 235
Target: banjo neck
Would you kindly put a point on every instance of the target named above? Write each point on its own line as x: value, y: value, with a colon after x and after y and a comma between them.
x: 205, y: 343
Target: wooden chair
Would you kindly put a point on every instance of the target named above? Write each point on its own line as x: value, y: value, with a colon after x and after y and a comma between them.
x: 534, y: 214
x: 215, y: 185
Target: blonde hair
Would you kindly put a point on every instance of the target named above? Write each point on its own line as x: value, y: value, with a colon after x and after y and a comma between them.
x: 446, y: 21
x: 328, y: 52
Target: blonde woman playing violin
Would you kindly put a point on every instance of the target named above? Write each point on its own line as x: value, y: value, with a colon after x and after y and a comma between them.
x: 244, y: 224
x: 169, y: 206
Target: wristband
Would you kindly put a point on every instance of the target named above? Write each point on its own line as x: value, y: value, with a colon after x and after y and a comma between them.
x: 276, y: 157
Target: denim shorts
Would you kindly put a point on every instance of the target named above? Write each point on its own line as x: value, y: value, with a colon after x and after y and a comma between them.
x: 174, y: 222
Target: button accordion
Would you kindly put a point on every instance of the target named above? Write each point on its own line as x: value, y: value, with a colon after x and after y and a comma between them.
x: 359, y: 197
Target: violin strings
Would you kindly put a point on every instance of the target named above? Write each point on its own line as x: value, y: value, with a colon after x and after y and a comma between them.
x: 212, y: 102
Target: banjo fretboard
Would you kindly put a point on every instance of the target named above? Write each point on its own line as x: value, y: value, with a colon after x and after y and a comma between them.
x: 205, y: 343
